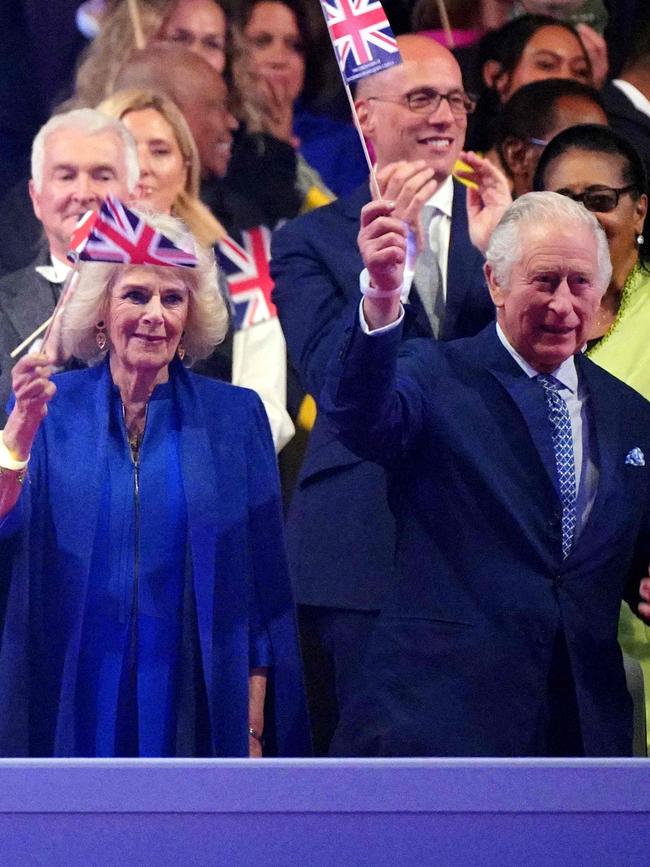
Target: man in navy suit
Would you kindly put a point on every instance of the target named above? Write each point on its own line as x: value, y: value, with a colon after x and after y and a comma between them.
x: 519, y: 474
x: 341, y: 533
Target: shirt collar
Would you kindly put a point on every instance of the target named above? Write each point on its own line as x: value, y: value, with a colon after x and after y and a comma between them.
x: 566, y: 374
x: 57, y: 272
x: 638, y: 100
x: 443, y: 197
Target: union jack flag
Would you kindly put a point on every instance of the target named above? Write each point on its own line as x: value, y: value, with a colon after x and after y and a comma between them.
x: 119, y: 235
x: 361, y: 35
x: 246, y: 267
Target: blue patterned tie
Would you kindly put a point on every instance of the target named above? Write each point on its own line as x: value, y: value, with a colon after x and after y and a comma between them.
x: 558, y: 414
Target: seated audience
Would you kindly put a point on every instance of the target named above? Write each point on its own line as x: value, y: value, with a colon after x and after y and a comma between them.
x: 627, y: 97
x: 532, y: 116
x: 77, y: 158
x: 521, y: 496
x: 276, y: 67
x: 530, y: 48
x: 172, y: 623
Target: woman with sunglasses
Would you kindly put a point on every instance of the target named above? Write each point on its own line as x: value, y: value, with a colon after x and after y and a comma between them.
x: 597, y: 166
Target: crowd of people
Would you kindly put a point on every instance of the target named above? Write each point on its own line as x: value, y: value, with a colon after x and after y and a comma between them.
x: 359, y: 469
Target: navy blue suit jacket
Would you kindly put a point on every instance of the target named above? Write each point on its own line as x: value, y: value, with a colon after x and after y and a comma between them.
x: 340, y: 531
x: 459, y: 661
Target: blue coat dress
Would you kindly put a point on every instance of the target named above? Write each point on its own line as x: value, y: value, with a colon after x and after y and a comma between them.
x: 129, y: 625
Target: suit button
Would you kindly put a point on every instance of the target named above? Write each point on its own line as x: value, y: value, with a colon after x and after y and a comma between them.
x: 558, y: 580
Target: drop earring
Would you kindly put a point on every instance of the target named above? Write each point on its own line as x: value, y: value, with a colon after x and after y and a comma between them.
x: 100, y: 335
x: 180, y: 350
x: 639, y: 239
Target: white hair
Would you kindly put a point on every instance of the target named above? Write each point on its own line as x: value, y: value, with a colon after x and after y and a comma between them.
x: 208, y: 316
x: 531, y: 209
x: 90, y: 122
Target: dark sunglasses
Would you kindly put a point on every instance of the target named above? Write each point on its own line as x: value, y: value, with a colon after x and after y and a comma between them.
x: 602, y: 200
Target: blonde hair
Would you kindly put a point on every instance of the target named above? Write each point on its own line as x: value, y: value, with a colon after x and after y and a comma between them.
x: 116, y: 39
x: 208, y: 316
x: 202, y: 224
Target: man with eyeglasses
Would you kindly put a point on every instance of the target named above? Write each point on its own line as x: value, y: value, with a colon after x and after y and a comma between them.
x: 341, y: 533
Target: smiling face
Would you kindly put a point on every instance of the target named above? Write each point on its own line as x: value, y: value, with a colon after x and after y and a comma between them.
x: 199, y: 25
x: 203, y: 98
x: 79, y: 171
x: 395, y: 131
x: 552, y: 293
x: 552, y: 52
x: 147, y: 311
x: 576, y: 170
x: 275, y: 47
x: 163, y: 172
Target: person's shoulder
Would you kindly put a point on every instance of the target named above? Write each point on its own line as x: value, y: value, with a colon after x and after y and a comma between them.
x: 12, y: 285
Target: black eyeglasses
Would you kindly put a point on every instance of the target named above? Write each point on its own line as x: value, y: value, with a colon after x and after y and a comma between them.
x: 426, y: 101
x: 602, y: 200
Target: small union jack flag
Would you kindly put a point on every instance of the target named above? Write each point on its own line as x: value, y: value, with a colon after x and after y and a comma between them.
x: 246, y: 267
x: 362, y: 37
x: 119, y: 235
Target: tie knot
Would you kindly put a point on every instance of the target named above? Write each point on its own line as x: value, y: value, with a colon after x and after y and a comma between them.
x: 549, y: 383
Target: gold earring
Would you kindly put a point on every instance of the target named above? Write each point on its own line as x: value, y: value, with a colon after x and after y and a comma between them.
x: 180, y: 350
x: 100, y: 335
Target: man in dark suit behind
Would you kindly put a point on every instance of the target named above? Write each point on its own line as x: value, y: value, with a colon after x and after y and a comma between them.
x: 77, y: 159
x: 520, y: 480
x: 340, y: 531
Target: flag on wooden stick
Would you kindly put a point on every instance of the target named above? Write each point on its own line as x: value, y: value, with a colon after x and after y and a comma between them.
x: 362, y: 37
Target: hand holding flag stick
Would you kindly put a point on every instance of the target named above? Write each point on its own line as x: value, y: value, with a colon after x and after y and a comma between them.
x: 364, y: 44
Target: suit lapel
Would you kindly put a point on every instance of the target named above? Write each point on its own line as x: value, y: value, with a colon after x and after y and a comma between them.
x: 606, y: 437
x: 32, y: 304
x: 526, y: 394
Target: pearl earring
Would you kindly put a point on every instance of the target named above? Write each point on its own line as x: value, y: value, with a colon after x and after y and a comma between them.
x: 640, y: 239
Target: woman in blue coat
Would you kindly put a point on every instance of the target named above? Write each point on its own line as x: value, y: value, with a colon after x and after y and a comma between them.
x: 144, y: 601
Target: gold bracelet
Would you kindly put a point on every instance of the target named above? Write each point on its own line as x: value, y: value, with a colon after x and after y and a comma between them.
x: 7, y: 460
x: 19, y: 475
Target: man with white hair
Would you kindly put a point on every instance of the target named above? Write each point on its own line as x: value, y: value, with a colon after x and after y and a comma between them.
x: 77, y: 159
x: 521, y: 492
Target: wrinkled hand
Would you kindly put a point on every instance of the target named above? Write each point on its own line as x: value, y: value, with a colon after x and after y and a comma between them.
x: 488, y: 202
x: 382, y: 244
x: 644, y: 593
x: 409, y: 185
x: 596, y: 48
x: 33, y: 389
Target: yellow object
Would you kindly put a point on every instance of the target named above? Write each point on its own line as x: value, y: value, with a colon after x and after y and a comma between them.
x: 307, y: 413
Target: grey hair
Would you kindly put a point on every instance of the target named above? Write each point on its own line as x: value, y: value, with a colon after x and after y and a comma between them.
x: 208, y: 317
x: 504, y: 249
x: 90, y: 122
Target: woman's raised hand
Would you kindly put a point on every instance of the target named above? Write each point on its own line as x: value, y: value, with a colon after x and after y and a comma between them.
x: 33, y: 389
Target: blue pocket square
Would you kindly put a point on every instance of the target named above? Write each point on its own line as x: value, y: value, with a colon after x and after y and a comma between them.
x: 635, y: 458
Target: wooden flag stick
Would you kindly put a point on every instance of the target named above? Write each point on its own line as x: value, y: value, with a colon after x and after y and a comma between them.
x: 134, y: 14
x: 32, y: 337
x: 374, y: 186
x: 444, y: 19
x: 68, y: 288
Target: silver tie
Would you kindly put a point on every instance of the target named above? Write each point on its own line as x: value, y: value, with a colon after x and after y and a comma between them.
x: 427, y: 276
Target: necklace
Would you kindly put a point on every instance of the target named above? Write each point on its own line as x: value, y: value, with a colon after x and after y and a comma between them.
x: 135, y: 437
